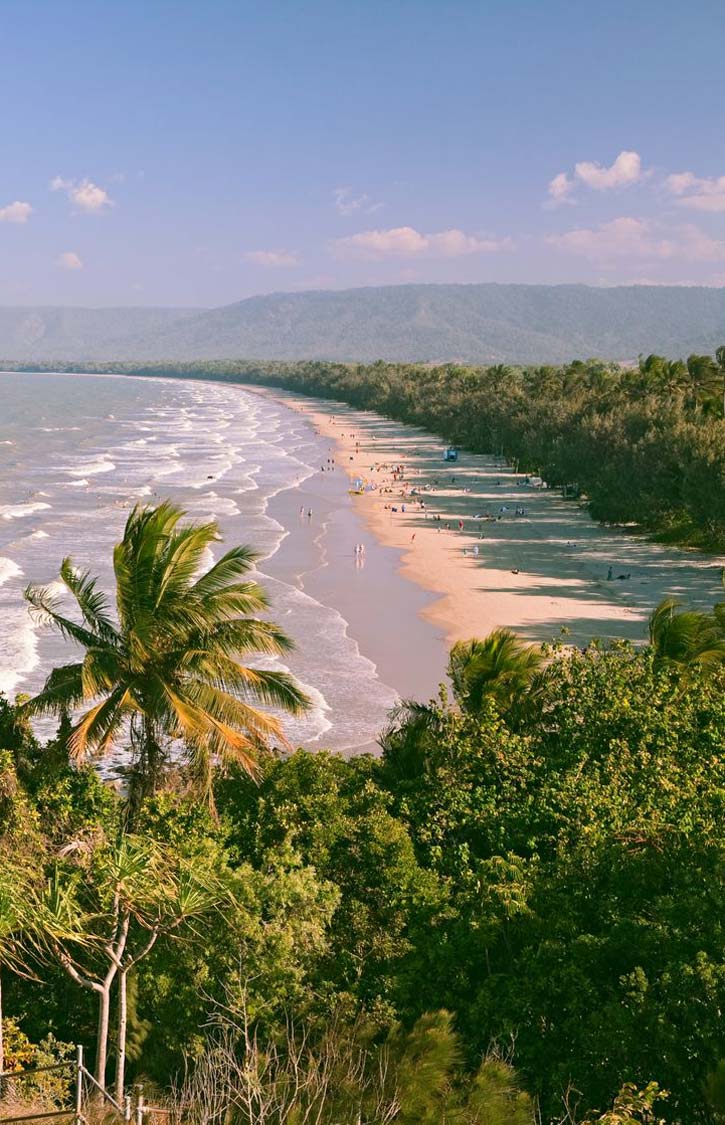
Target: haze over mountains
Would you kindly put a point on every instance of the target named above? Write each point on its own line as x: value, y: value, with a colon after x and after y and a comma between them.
x: 427, y: 323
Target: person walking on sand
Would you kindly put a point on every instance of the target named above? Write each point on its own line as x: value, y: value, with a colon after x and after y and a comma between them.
x: 460, y: 525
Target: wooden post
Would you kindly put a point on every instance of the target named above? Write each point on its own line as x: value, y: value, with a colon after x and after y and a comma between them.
x: 139, y: 1105
x: 79, y: 1085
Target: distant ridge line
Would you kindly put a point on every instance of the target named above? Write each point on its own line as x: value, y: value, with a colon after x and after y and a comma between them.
x: 483, y: 323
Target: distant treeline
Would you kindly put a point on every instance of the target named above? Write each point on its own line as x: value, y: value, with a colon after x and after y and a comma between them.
x: 644, y: 445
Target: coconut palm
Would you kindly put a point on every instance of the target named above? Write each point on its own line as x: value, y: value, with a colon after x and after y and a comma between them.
x: 167, y: 668
x: 703, y: 379
x: 720, y: 360
x: 687, y: 638
x: 499, y: 667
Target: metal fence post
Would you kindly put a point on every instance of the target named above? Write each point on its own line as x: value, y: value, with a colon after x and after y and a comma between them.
x: 79, y: 1085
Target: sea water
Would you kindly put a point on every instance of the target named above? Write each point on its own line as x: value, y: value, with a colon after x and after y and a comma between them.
x: 78, y: 452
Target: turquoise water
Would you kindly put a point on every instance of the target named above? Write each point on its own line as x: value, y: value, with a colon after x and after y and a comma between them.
x: 76, y: 452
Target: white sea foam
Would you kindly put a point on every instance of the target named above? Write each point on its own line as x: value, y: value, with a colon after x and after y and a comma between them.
x: 219, y: 453
x: 92, y: 468
x: 18, y: 648
x: 8, y: 570
x: 18, y: 511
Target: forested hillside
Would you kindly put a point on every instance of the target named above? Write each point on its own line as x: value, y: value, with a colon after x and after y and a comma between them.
x: 404, y: 323
x: 49, y: 332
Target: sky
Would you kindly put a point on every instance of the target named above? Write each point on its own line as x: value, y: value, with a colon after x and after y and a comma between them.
x: 197, y: 152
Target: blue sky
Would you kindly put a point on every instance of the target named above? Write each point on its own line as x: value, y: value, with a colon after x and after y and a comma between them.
x: 195, y: 153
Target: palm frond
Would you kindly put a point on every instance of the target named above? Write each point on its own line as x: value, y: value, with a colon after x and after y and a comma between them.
x: 92, y: 603
x: 62, y: 691
x: 232, y: 566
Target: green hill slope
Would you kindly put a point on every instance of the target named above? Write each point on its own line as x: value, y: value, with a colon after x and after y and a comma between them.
x: 469, y: 323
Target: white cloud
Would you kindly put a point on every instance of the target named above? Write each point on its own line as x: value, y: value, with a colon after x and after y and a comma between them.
x: 406, y: 242
x: 699, y: 193
x: 625, y: 171
x: 69, y: 261
x: 273, y: 258
x: 16, y: 212
x: 560, y: 188
x: 347, y: 203
x: 84, y: 193
x: 640, y: 239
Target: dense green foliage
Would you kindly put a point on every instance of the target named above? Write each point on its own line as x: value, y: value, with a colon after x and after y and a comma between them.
x: 557, y: 886
x: 486, y: 323
x: 516, y: 909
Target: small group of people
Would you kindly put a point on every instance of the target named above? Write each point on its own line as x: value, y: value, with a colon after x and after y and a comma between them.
x: 359, y: 550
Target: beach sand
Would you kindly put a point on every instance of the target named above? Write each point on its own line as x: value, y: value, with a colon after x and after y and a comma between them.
x: 543, y: 574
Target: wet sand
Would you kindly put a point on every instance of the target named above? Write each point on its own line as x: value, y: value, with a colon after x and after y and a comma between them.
x: 543, y: 573
x: 386, y: 615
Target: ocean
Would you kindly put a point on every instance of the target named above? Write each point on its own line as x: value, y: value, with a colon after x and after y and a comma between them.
x: 77, y: 452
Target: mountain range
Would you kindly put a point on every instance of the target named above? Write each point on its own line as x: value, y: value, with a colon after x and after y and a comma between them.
x: 483, y: 324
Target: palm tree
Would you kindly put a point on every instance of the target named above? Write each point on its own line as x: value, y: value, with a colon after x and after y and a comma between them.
x: 703, y: 379
x: 167, y: 669
x: 720, y: 359
x: 686, y: 638
x: 499, y: 667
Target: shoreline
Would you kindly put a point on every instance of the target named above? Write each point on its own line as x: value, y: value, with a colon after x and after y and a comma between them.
x: 543, y: 574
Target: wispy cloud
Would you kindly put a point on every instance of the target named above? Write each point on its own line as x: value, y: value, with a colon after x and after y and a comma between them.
x: 625, y: 171
x: 275, y: 259
x: 84, y: 194
x: 642, y: 239
x: 69, y: 261
x: 347, y: 202
x: 406, y: 242
x: 16, y: 212
x: 698, y: 192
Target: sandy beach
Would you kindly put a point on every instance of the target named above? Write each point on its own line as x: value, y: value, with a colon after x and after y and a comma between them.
x: 495, y: 550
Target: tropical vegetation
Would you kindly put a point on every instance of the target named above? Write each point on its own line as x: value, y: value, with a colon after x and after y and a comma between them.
x: 513, y: 914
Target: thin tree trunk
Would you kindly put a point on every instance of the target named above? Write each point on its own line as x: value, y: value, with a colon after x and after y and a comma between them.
x: 104, y: 1015
x: 122, y: 1029
x: 2, y: 1040
x: 123, y: 1010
